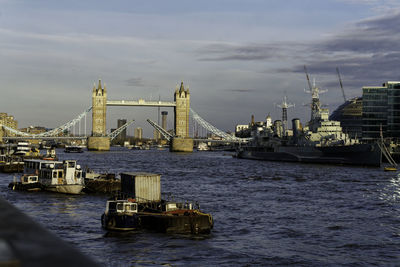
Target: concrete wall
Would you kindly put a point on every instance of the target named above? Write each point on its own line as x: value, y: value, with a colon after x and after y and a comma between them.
x: 24, y: 242
x: 181, y: 145
x: 98, y: 143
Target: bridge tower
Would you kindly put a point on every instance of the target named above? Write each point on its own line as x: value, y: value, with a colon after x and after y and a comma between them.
x: 99, y: 140
x: 182, y: 142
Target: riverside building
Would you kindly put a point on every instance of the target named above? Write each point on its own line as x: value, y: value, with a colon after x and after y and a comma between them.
x: 381, y: 111
x: 9, y: 121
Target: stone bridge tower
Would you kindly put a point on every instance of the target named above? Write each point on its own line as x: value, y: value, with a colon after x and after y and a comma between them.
x: 98, y: 140
x: 182, y: 142
x: 182, y: 100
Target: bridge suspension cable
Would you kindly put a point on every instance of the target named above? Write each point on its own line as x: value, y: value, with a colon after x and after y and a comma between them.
x: 53, y: 132
x: 14, y: 131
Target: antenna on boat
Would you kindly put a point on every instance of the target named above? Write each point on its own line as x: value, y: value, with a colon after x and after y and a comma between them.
x: 285, y: 105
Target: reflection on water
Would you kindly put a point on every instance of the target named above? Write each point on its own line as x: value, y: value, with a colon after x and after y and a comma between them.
x: 265, y: 213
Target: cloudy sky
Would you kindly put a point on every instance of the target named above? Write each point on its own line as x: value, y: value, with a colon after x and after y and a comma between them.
x: 239, y: 57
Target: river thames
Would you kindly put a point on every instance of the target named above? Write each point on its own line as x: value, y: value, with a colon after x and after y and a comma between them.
x: 265, y: 213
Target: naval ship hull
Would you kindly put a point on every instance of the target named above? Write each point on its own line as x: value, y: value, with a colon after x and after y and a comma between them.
x: 359, y: 154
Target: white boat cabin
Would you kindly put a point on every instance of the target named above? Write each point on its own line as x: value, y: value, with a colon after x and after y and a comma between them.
x: 171, y: 206
x: 29, y: 179
x: 121, y: 207
x: 55, y: 172
x: 33, y: 166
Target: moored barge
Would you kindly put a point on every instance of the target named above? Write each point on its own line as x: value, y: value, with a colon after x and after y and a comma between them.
x: 139, y: 206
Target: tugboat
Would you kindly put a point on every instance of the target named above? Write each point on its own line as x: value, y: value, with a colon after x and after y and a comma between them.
x: 120, y: 215
x: 139, y: 206
x: 27, y: 183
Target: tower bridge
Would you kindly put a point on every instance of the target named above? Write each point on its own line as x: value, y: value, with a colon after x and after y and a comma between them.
x: 99, y: 140
x: 181, y: 141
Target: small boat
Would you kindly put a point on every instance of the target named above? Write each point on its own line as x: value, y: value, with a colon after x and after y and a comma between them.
x: 386, y: 153
x: 22, y: 149
x: 120, y: 215
x: 62, y: 177
x: 390, y: 169
x: 10, y: 164
x: 27, y: 182
x: 165, y: 216
x: 73, y: 149
x: 203, y: 147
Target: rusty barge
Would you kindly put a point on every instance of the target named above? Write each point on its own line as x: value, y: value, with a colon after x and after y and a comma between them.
x: 139, y: 206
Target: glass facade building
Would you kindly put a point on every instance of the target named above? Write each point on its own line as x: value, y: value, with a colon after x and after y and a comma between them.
x: 393, y: 119
x: 350, y: 116
x: 381, y: 110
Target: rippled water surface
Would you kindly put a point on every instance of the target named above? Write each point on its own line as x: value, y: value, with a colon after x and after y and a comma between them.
x: 265, y: 213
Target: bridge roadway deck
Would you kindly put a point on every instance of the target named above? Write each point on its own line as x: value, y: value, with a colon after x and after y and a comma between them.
x: 140, y: 102
x: 24, y: 242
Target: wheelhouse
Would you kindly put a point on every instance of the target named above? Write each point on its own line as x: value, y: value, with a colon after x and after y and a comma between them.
x: 29, y: 179
x: 36, y: 165
x: 121, y: 207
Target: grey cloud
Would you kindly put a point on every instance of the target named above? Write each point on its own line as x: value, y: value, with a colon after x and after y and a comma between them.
x: 135, y: 82
x: 367, y: 54
x: 241, y: 90
x: 246, y: 52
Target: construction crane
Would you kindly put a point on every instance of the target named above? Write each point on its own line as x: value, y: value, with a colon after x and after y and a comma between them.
x: 341, y: 84
x: 308, y: 78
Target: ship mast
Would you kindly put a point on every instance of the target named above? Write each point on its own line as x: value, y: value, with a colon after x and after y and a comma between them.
x: 315, y: 102
x: 285, y: 105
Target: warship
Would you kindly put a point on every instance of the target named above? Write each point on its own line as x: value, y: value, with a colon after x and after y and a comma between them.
x: 320, y: 141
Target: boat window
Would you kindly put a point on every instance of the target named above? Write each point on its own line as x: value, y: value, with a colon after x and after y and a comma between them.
x: 54, y: 174
x: 25, y: 179
x: 133, y: 207
x: 71, y: 164
x: 60, y: 174
x: 120, y: 207
x: 112, y: 206
x: 33, y: 179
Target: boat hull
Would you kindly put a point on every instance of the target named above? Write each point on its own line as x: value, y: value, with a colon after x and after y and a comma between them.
x: 188, y: 223
x: 25, y: 187
x: 73, y: 189
x: 120, y: 222
x: 360, y: 154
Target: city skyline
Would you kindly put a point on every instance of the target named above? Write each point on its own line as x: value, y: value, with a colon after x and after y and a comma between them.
x: 238, y: 57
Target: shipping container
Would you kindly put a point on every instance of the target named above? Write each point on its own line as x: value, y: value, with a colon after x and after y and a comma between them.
x: 144, y: 187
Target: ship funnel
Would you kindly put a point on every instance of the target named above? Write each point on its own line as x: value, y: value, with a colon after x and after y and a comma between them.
x: 278, y: 129
x: 296, y: 128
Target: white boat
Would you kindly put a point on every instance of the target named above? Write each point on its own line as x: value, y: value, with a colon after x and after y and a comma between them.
x: 57, y: 176
x: 203, y: 147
